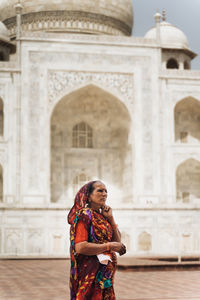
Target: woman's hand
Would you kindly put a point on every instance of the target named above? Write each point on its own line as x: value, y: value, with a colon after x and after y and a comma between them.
x: 107, y: 212
x: 118, y: 247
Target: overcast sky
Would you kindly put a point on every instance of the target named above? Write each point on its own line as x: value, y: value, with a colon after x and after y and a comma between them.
x: 185, y: 14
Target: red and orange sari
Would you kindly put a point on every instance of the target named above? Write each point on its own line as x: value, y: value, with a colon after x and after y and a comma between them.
x: 89, y: 278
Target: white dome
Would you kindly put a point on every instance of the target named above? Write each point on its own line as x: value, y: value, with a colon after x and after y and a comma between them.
x: 115, y: 15
x: 171, y: 36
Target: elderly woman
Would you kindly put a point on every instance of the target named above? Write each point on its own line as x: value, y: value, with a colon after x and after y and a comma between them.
x: 94, y: 240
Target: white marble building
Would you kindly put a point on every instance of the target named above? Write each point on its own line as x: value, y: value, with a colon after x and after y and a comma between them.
x: 80, y: 99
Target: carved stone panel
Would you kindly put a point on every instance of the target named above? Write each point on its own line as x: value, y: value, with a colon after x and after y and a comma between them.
x: 57, y: 242
x: 166, y: 240
x: 13, y: 241
x: 33, y: 131
x: 34, y: 241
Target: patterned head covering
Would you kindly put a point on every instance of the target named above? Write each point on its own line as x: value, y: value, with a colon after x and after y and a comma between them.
x: 80, y: 200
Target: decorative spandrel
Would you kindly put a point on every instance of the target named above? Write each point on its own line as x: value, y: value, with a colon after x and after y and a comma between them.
x: 60, y: 83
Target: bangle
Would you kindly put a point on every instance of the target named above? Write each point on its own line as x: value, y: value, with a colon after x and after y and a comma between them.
x: 115, y: 225
x: 108, y: 246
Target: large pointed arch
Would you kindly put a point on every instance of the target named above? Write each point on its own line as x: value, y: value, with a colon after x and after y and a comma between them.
x: 61, y: 83
x: 188, y: 181
x: 187, y: 120
x: 75, y: 89
x: 110, y: 122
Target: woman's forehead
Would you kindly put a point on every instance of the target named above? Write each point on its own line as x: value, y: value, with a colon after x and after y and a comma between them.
x: 99, y: 184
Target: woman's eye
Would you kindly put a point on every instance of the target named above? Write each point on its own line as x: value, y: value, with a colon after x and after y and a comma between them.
x: 101, y: 191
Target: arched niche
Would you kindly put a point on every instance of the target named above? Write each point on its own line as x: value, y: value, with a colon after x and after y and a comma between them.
x: 1, y: 118
x: 172, y: 64
x: 187, y: 121
x: 109, y: 123
x: 144, y: 241
x: 188, y: 181
x: 1, y: 183
x: 186, y: 242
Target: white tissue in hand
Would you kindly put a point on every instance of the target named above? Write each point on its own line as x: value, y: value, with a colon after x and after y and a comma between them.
x: 104, y: 259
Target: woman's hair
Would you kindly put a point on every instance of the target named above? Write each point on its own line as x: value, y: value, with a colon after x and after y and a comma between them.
x: 91, y: 187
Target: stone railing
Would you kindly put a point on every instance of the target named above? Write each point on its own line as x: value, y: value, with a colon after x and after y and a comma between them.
x: 189, y: 74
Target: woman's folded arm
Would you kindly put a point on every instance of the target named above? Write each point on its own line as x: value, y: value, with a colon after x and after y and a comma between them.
x: 87, y: 248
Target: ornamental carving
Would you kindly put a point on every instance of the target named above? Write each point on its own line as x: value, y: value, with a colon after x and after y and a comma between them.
x: 13, y: 241
x: 62, y: 83
x: 69, y: 21
x: 34, y: 242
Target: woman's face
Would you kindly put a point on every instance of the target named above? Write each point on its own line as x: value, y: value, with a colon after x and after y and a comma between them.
x: 98, y: 197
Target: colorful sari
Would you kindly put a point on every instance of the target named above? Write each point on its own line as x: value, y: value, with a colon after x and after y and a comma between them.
x: 89, y: 279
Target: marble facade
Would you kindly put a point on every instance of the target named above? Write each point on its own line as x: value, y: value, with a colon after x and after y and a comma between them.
x: 79, y: 107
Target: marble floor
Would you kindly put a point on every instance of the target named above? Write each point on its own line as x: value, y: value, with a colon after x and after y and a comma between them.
x: 48, y: 280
